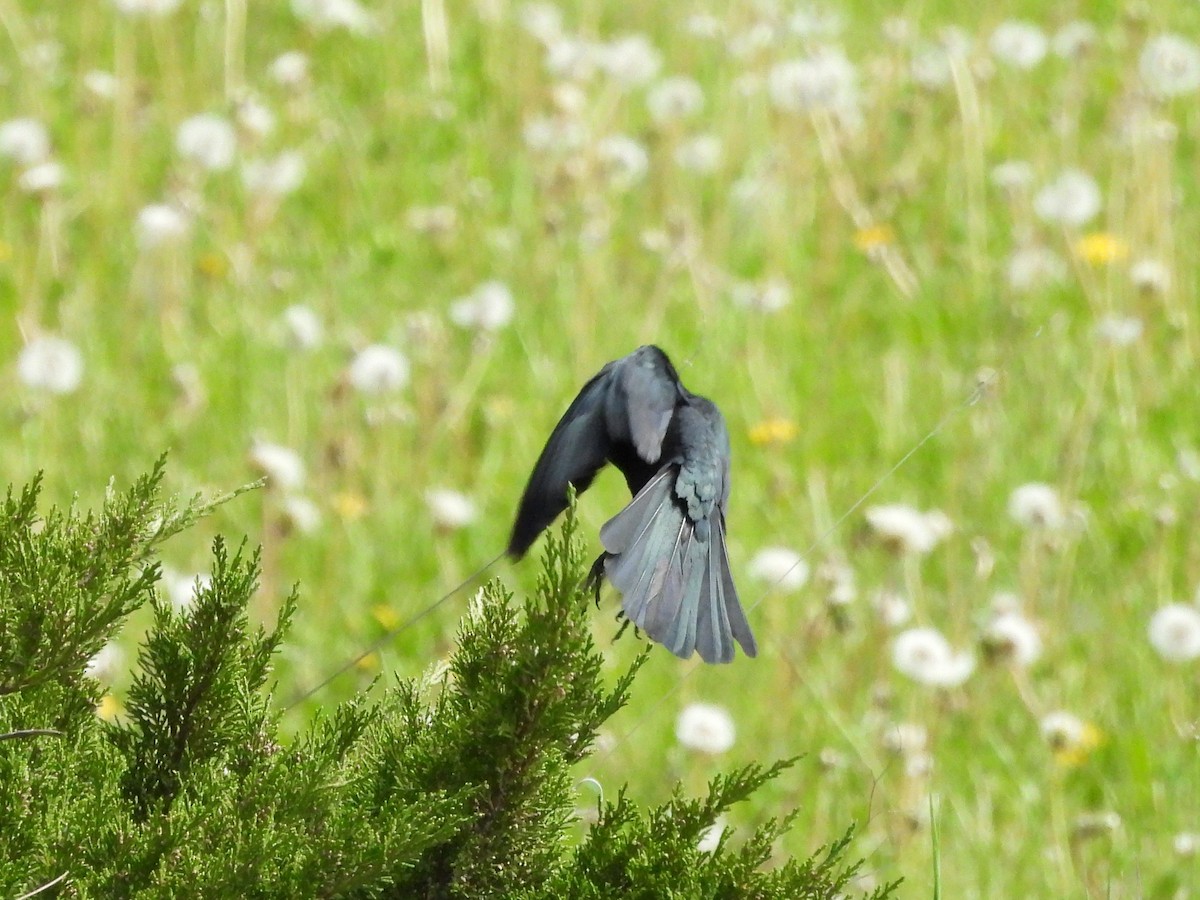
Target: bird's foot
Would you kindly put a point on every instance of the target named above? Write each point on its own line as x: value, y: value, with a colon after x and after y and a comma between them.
x: 595, y: 576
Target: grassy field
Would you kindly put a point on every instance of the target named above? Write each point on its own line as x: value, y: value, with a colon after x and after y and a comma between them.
x: 854, y: 233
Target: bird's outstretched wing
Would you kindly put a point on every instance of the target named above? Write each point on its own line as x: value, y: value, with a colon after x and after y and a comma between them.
x: 628, y: 404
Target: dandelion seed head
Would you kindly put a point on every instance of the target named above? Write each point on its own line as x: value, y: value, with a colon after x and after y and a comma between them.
x: 905, y: 529
x: 161, y: 225
x: 825, y: 80
x: 1013, y: 638
x: 255, y: 117
x: 1170, y: 65
x: 630, y: 61
x: 1019, y: 44
x: 926, y: 657
x: 1033, y: 267
x: 42, y: 178
x: 303, y: 327
x: 326, y: 15
x: 543, y: 21
x: 51, y: 364
x: 674, y: 99
x: 181, y: 589
x: 623, y: 159
x: 1037, y: 505
x: 378, y: 369
x: 275, y: 177
x: 1069, y: 737
x: 208, y: 140
x: 488, y: 308
x: 706, y: 728
x: 1119, y: 331
x: 768, y: 296
x: 105, y: 662
x: 906, y: 739
x: 147, y: 8
x: 700, y: 154
x: 1174, y: 632
x: 779, y: 567
x: 1074, y: 39
x: 1072, y: 199
x: 101, y: 84
x: 281, y: 465
x: 450, y: 509
x: 25, y: 141
x: 1150, y: 276
x: 892, y: 608
x: 290, y: 69
x: 1012, y: 175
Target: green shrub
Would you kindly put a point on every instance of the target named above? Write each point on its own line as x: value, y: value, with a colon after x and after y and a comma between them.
x: 457, y: 785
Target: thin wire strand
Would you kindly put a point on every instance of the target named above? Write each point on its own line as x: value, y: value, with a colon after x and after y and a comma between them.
x: 403, y: 626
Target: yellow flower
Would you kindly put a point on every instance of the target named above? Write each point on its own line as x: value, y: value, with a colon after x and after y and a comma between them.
x: 385, y: 615
x: 109, y: 708
x: 773, y: 431
x: 212, y: 265
x: 1101, y: 248
x: 368, y: 663
x: 873, y: 237
x: 349, y: 505
x: 1075, y: 753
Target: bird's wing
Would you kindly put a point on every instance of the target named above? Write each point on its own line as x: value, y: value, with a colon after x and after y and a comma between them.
x: 575, y: 452
x: 649, y: 389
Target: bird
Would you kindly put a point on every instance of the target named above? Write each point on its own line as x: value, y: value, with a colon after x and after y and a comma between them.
x: 665, y: 551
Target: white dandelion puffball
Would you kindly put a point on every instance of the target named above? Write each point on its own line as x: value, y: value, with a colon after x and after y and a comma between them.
x: 1014, y: 638
x: 302, y: 513
x: 1074, y: 38
x: 1019, y: 44
x: 1175, y: 632
x: 779, y: 567
x: 303, y: 327
x: 289, y: 69
x: 25, y: 141
x: 181, y: 589
x: 378, y: 369
x: 50, y: 364
x: 906, y: 529
x: 1037, y: 505
x: 925, y: 656
x: 700, y: 154
x: 450, y: 509
x: 1151, y: 276
x: 630, y: 61
x: 1012, y: 175
x: 147, y: 8
x: 1033, y: 267
x: 623, y: 160
x: 282, y: 465
x: 1170, y: 65
x: 326, y: 15
x: 705, y: 728
x: 1119, y: 331
x: 1062, y: 730
x: 487, y: 308
x: 826, y: 80
x: 161, y: 225
x: 675, y: 98
x: 42, y: 178
x: 277, y: 176
x: 105, y: 662
x: 1072, y: 199
x: 101, y: 84
x: 208, y: 140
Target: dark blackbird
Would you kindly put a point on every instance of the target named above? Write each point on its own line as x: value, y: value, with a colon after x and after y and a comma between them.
x: 665, y: 552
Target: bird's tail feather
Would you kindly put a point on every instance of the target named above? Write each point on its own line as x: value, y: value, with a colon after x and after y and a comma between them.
x: 674, y: 586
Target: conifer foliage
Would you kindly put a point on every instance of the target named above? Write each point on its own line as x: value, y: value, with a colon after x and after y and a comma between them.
x: 456, y: 785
